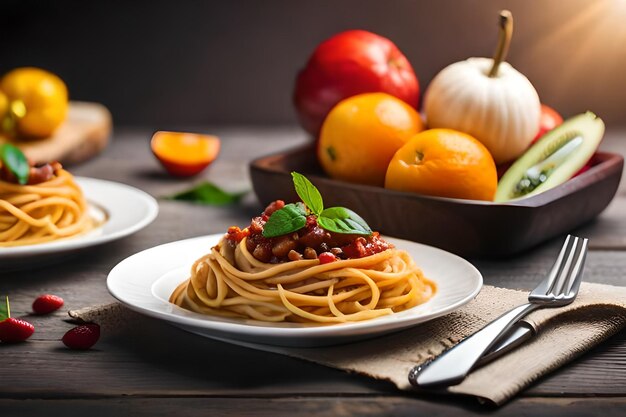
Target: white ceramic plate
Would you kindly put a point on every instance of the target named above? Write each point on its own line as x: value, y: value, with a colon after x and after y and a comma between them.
x: 145, y: 281
x: 122, y: 209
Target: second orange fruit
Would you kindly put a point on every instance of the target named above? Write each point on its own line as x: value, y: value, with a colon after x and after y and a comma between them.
x: 444, y: 163
x: 361, y: 134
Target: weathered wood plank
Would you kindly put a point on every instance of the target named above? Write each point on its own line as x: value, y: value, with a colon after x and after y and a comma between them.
x: 312, y: 406
x: 151, y: 358
x: 607, y: 231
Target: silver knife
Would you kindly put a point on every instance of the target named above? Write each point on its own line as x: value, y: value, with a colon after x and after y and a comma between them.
x: 515, y: 337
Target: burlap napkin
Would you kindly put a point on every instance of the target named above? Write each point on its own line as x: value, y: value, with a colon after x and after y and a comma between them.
x: 562, y: 335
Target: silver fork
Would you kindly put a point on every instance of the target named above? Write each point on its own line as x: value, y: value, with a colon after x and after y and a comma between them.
x: 558, y: 289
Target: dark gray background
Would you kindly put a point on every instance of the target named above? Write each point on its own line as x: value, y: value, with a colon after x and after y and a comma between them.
x: 164, y: 63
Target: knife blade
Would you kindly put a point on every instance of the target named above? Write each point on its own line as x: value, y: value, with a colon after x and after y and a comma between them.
x: 515, y: 337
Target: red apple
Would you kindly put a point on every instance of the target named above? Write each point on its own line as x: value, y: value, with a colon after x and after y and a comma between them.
x: 548, y: 121
x: 351, y: 63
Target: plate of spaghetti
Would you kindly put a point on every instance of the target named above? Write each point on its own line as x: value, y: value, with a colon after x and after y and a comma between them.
x: 298, y: 275
x: 46, y: 211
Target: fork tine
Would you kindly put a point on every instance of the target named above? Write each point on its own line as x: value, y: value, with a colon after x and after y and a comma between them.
x: 576, y: 276
x: 565, y: 272
x: 546, y: 285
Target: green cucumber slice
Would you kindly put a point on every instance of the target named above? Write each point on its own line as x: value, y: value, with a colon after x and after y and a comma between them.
x: 553, y: 159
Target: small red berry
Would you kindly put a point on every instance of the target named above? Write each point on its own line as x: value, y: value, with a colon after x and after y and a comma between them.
x: 15, y: 330
x: 47, y: 303
x: 82, y: 337
x: 326, y: 258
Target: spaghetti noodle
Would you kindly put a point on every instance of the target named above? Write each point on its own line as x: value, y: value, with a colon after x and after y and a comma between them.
x: 36, y: 213
x: 230, y: 281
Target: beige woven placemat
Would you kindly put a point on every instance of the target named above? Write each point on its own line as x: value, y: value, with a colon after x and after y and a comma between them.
x: 563, y: 334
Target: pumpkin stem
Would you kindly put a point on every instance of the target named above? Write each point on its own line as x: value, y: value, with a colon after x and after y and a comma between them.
x: 506, y: 31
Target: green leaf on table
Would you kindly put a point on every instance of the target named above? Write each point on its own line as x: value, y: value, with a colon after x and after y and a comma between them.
x: 343, y: 220
x: 5, y: 309
x: 308, y: 193
x: 288, y: 219
x: 208, y: 193
x: 13, y: 158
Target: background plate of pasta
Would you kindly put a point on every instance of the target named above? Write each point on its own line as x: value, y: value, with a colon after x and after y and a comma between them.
x: 46, y: 212
x: 146, y: 282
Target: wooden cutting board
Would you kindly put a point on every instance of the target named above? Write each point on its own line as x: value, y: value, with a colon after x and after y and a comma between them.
x: 82, y: 136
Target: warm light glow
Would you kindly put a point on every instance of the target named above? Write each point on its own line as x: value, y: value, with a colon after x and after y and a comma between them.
x: 587, y: 49
x: 619, y: 6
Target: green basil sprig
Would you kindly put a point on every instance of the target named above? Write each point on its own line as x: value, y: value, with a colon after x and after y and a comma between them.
x: 288, y: 219
x: 207, y: 193
x: 15, y: 161
x: 343, y: 220
x: 292, y: 217
x: 308, y: 193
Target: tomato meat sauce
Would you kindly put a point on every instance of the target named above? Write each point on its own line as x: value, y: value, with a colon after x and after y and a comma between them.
x: 36, y: 174
x: 310, y: 242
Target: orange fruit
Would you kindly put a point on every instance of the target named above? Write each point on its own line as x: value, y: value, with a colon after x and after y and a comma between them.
x: 444, y: 163
x: 184, y: 154
x: 4, y: 104
x: 361, y: 134
x: 38, y: 100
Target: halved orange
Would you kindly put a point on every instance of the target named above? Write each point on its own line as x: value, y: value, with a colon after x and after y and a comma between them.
x: 184, y: 154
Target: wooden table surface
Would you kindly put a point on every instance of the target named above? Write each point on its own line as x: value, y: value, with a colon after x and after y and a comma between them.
x: 154, y: 369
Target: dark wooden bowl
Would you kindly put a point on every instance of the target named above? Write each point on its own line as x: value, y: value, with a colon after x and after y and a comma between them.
x: 467, y: 227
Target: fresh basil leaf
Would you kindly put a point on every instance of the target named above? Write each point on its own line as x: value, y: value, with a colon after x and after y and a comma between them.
x: 208, y: 193
x: 5, y: 310
x: 13, y: 158
x: 343, y: 220
x: 288, y: 219
x: 308, y: 193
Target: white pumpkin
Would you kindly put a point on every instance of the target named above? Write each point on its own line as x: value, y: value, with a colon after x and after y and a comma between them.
x: 502, y: 112
x: 488, y: 99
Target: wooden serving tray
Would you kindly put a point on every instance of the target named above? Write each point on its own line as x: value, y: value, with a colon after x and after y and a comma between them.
x: 84, y: 134
x: 467, y: 227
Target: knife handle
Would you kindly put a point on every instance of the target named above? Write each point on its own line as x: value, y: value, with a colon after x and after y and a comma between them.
x: 452, y: 366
